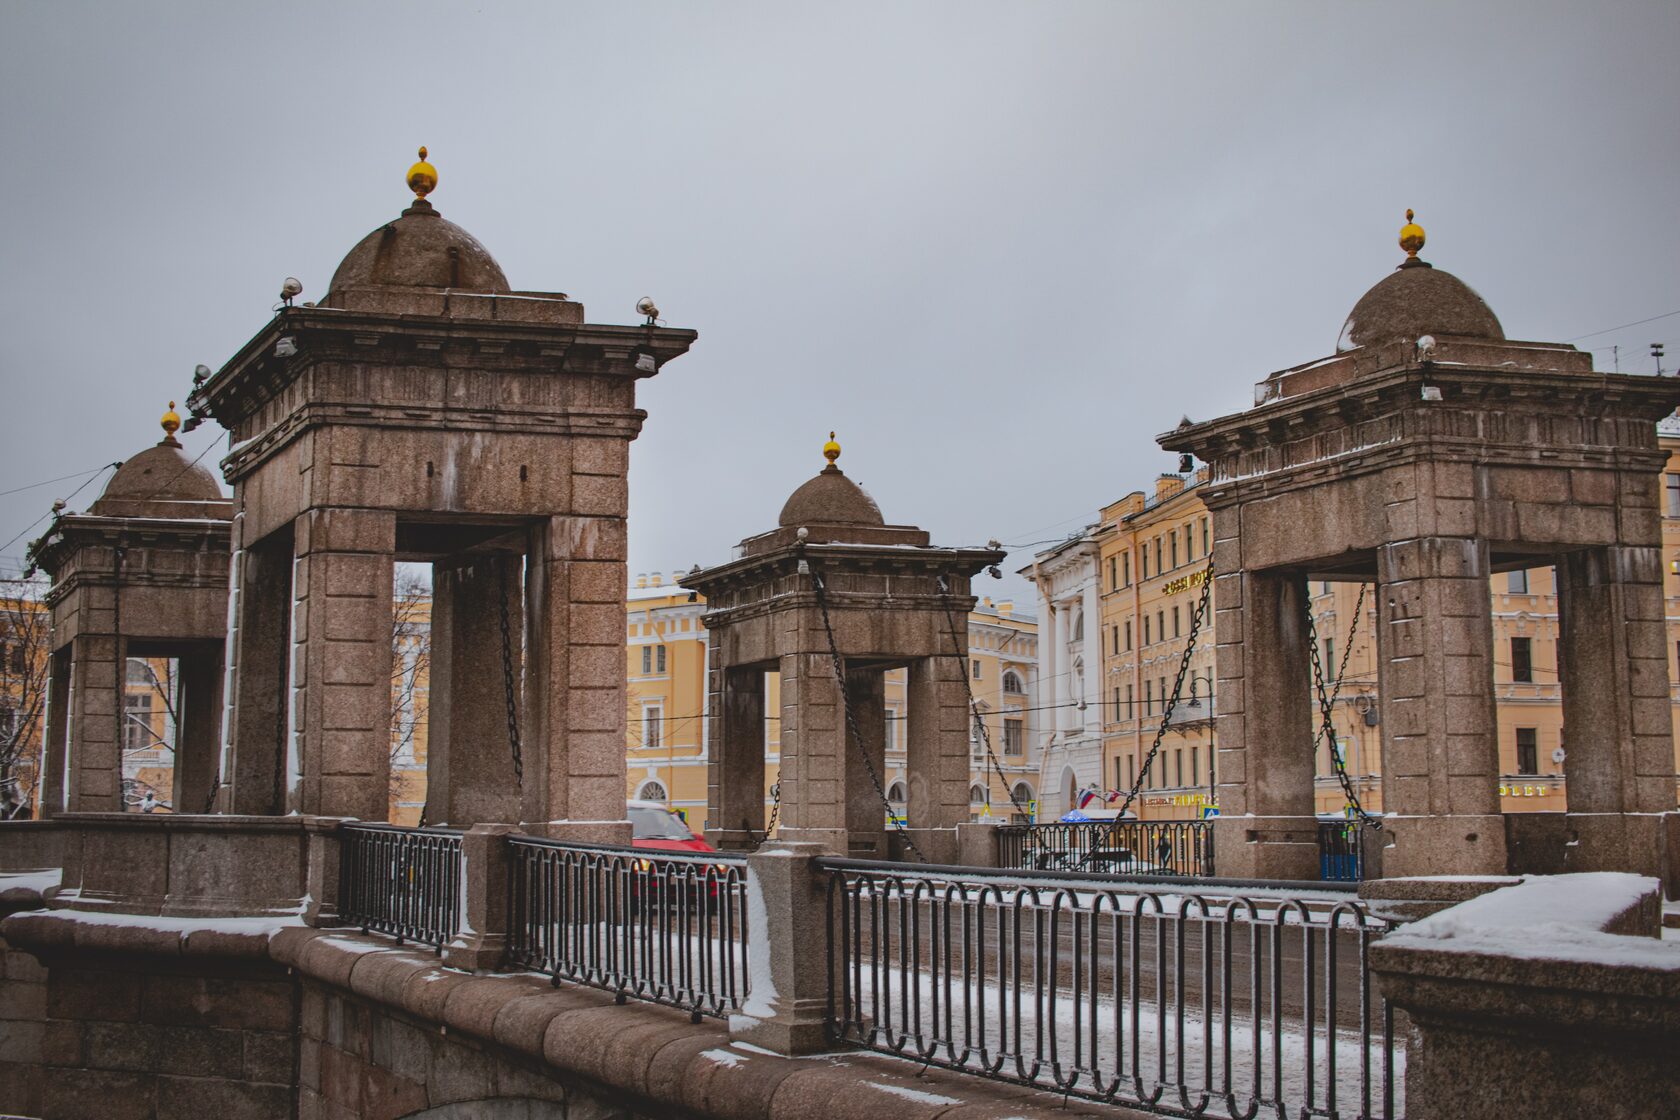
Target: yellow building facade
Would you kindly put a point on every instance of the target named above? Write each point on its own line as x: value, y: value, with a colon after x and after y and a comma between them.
x: 1153, y: 556
x: 666, y: 730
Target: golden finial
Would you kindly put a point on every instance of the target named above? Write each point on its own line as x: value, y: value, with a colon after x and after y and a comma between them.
x: 1411, y: 236
x: 171, y: 423
x: 422, y: 177
x: 831, y: 451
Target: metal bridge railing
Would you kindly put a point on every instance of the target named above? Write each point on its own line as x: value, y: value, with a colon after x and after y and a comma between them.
x: 1109, y: 847
x: 1183, y: 1004
x: 659, y: 926
x: 402, y: 881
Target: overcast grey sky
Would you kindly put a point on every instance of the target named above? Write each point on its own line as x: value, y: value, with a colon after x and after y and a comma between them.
x: 998, y: 247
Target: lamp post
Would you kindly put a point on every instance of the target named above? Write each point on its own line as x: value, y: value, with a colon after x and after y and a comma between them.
x: 1196, y: 702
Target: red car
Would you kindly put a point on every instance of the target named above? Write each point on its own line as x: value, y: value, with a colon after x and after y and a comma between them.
x: 657, y: 828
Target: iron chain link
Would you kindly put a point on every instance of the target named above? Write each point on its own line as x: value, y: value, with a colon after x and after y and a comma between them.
x: 973, y: 704
x: 1197, y: 618
x: 1327, y: 702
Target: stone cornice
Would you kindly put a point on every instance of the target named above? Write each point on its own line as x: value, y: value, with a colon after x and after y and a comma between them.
x: 1483, y: 416
x: 72, y: 532
x: 258, y: 373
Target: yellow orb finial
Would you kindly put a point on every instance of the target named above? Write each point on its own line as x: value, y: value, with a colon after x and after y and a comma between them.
x: 171, y: 423
x: 1411, y: 236
x: 831, y: 451
x: 422, y: 177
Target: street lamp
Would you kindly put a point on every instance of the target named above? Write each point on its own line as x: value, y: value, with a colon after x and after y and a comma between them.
x: 1196, y: 702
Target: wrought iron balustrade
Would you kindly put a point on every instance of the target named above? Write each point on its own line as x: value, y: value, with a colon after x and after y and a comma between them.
x: 402, y: 881
x: 665, y: 927
x: 1184, y: 1004
x: 1109, y: 847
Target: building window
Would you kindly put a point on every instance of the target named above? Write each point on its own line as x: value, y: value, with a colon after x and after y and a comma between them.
x: 1522, y: 660
x: 1158, y: 567
x: 1128, y: 635
x: 1671, y: 484
x: 895, y: 793
x: 1172, y: 539
x: 1161, y: 625
x: 137, y: 728
x: 1145, y: 629
x: 1131, y: 771
x: 1125, y: 569
x: 1516, y: 583
x: 1143, y: 561
x: 1012, y: 738
x: 1012, y: 682
x: 1117, y: 711
x: 1129, y: 702
x: 1116, y: 639
x: 1189, y: 543
x: 653, y: 727
x: 976, y: 669
x: 659, y: 659
x: 1178, y: 765
x: 1175, y: 622
x: 1195, y: 765
x: 652, y: 791
x: 1528, y: 753
x: 977, y: 796
x: 1329, y: 657
x: 1148, y: 698
x: 1163, y: 693
x: 1113, y: 573
x: 647, y: 660
x: 976, y: 730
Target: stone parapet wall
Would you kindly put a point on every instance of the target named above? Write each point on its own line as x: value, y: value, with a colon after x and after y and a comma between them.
x: 1551, y: 997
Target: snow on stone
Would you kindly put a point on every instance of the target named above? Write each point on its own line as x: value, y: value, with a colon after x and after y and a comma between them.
x: 1547, y: 917
x: 916, y: 1095
x: 38, y: 881
x: 723, y: 1057
x: 761, y: 988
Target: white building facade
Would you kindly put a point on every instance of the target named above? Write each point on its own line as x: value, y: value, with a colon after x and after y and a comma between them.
x: 1069, y: 671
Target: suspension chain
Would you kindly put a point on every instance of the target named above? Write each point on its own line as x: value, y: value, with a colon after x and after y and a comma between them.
x: 1197, y: 617
x: 775, y: 812
x: 507, y: 683
x: 1326, y: 706
x: 851, y: 719
x: 973, y: 704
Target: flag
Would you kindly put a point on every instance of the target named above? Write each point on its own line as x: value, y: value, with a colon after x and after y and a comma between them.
x: 1113, y: 796
x: 1086, y: 796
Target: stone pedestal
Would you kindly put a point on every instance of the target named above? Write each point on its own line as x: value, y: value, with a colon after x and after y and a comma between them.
x: 480, y: 945
x: 788, y: 958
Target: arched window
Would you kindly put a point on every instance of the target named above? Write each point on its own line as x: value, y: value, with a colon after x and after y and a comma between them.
x: 1023, y: 792
x: 895, y: 793
x: 1012, y: 682
x: 977, y: 795
x: 652, y: 791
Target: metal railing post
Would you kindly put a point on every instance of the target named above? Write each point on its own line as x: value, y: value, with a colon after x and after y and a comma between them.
x: 790, y: 951
x: 480, y: 944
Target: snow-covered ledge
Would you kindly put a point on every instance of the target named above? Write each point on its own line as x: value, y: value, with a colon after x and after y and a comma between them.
x: 1552, y: 997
